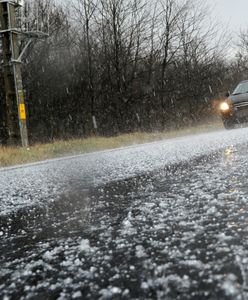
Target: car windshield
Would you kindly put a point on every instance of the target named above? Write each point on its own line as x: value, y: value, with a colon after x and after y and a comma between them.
x: 242, y: 88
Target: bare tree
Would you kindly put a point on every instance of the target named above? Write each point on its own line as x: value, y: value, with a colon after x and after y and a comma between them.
x: 113, y: 66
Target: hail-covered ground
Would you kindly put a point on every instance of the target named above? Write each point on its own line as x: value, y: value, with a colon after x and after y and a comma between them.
x: 166, y: 220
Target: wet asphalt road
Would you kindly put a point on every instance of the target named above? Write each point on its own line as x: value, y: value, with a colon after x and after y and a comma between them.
x: 177, y: 229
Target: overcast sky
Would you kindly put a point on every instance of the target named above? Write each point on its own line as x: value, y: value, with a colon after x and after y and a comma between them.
x: 233, y: 15
x: 231, y: 12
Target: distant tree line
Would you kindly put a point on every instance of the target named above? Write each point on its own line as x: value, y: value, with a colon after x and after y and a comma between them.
x: 116, y: 66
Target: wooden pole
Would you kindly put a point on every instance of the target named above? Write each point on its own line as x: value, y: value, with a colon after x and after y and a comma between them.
x: 15, y: 115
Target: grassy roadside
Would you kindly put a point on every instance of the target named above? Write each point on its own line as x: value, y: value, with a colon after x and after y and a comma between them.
x: 10, y: 156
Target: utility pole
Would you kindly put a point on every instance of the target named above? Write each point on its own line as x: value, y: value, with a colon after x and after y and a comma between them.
x: 15, y: 115
x: 15, y: 118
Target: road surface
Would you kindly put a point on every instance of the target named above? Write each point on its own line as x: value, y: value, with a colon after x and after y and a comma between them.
x: 165, y: 220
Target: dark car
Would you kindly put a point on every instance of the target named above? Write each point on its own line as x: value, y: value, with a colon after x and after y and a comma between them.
x: 234, y: 109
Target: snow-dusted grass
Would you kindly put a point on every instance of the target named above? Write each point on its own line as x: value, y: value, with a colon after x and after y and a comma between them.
x: 15, y: 155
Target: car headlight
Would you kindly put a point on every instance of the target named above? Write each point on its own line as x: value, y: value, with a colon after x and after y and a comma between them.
x: 224, y: 107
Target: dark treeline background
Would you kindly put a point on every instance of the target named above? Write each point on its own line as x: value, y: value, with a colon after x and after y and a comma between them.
x: 116, y: 66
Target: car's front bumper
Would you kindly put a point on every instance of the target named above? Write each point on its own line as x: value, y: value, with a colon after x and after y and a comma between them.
x: 238, y: 112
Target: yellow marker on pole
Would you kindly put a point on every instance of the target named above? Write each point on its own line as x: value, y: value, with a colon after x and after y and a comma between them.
x: 22, y: 111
